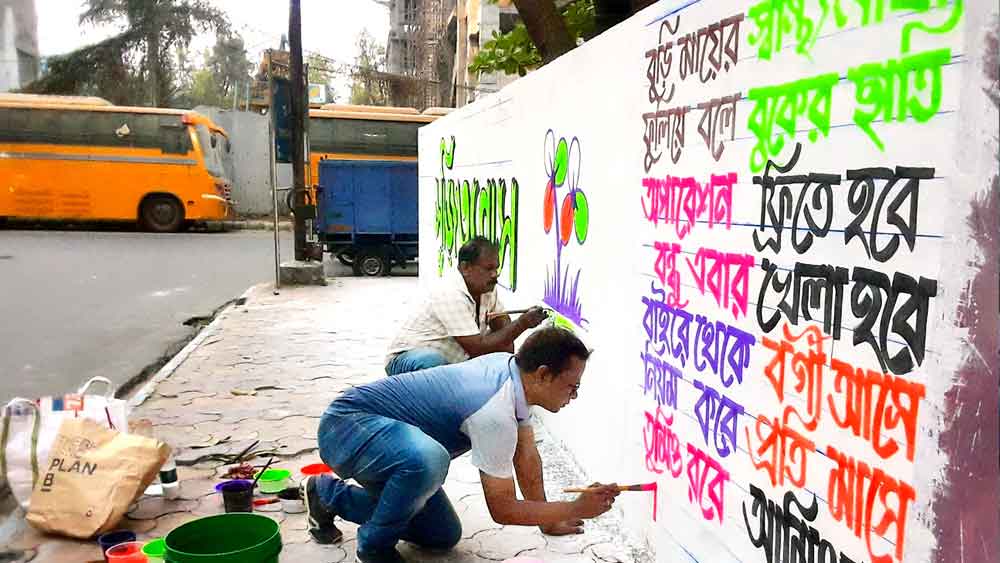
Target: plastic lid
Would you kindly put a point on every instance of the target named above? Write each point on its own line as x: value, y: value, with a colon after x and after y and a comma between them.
x: 316, y: 469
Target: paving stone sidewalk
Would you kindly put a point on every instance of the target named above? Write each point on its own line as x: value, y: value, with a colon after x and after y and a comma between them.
x: 266, y: 370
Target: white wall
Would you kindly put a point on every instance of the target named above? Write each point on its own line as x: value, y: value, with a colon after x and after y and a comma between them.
x: 595, y: 98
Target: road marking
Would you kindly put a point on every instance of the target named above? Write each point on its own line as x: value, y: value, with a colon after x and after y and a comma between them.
x: 169, y: 292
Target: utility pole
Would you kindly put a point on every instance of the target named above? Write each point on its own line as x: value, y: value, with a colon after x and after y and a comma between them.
x: 301, y: 210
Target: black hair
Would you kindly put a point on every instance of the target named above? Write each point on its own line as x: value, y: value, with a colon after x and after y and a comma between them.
x: 550, y: 346
x: 473, y: 250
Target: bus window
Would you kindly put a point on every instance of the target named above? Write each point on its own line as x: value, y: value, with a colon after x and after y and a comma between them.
x: 221, y: 150
x: 212, y: 148
x: 363, y: 136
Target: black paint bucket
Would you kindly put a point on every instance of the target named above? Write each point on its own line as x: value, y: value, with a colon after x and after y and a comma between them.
x: 237, y: 496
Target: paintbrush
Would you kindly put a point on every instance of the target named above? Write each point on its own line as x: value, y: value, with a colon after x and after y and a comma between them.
x: 491, y: 316
x: 621, y: 488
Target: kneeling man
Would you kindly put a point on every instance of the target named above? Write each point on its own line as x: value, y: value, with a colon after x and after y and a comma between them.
x: 397, y: 437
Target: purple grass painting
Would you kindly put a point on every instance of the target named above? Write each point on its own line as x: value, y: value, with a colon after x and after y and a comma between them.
x: 563, y: 298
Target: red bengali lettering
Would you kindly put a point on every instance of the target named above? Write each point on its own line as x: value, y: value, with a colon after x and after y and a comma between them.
x: 781, y: 451
x: 807, y: 367
x: 685, y: 202
x: 873, y: 403
x: 726, y: 275
x: 868, y: 501
x: 706, y: 474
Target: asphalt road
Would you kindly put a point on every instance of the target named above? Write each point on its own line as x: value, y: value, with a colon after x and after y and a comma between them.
x: 75, y: 304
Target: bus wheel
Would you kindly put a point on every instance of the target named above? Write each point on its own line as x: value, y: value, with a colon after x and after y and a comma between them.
x: 161, y: 214
x: 371, y: 264
x: 346, y: 258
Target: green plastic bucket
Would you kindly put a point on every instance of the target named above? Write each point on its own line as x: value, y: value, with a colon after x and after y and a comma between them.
x: 274, y: 480
x: 225, y: 538
x: 154, y: 550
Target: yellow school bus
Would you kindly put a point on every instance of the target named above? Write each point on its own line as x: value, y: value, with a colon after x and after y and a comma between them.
x: 353, y: 132
x: 86, y: 159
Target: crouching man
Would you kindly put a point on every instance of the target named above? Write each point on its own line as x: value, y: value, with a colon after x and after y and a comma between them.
x: 397, y: 437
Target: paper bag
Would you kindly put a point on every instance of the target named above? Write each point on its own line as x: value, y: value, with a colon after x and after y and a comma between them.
x: 91, y: 478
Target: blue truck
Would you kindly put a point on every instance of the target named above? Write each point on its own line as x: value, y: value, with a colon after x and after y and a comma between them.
x: 367, y: 213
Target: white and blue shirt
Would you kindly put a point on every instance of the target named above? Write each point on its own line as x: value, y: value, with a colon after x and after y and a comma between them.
x: 475, y: 405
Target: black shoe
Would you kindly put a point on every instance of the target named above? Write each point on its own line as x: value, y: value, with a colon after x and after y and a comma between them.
x: 320, y: 518
x: 382, y: 556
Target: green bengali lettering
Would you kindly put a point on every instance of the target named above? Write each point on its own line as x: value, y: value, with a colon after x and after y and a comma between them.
x: 465, y: 209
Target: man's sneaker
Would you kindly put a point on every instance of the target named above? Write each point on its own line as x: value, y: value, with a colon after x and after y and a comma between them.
x: 382, y: 556
x: 321, y: 526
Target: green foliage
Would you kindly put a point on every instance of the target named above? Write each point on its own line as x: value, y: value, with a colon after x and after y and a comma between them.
x: 134, y: 67
x: 366, y: 86
x: 225, y: 73
x: 204, y: 90
x: 321, y: 73
x: 514, y: 52
x: 510, y: 53
x: 104, y: 69
x: 229, y: 65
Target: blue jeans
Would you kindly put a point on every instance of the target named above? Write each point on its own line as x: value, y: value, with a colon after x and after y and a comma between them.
x: 401, y: 471
x: 415, y: 360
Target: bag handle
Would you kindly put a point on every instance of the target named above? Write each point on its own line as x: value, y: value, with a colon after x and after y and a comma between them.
x: 111, y: 386
x: 36, y: 427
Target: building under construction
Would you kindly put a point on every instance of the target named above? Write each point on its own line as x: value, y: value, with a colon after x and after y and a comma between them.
x: 428, y: 51
x: 431, y: 44
x: 420, y: 52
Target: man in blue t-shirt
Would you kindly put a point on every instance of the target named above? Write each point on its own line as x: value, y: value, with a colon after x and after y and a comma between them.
x: 397, y: 437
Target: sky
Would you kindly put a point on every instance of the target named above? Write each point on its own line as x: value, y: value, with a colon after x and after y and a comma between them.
x: 329, y: 27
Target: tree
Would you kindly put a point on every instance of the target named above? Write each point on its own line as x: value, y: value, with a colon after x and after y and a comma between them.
x: 546, y: 32
x: 367, y: 87
x: 321, y: 73
x: 551, y: 34
x: 185, y: 72
x: 134, y: 66
x: 229, y: 66
x: 547, y: 28
x: 104, y: 69
x: 204, y: 90
x: 225, y: 72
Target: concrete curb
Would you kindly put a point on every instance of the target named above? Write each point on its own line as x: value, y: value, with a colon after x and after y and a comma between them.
x: 249, y: 225
x: 170, y: 367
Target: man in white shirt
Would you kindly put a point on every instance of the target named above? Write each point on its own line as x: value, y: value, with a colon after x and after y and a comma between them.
x: 455, y: 321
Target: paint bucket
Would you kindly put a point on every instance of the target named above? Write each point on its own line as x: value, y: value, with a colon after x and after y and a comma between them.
x: 274, y: 480
x: 128, y: 552
x: 237, y: 496
x: 111, y: 539
x: 291, y: 501
x: 155, y: 550
x: 316, y: 469
x: 225, y: 538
